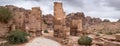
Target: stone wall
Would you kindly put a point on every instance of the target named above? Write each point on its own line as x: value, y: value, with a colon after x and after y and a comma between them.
x: 4, y: 29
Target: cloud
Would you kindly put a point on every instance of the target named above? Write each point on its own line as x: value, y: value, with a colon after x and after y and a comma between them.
x: 114, y: 3
x: 95, y: 8
x: 101, y: 9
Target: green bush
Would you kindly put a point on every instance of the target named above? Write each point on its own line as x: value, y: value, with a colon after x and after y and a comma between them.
x: 5, y: 14
x: 17, y: 37
x: 109, y: 33
x: 46, y: 31
x: 85, y: 40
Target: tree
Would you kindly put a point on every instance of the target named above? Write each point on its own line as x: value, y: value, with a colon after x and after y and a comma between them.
x: 17, y: 37
x: 5, y: 14
x: 85, y: 40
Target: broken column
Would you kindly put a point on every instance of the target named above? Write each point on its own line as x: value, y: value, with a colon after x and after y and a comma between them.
x: 59, y: 20
x: 34, y: 22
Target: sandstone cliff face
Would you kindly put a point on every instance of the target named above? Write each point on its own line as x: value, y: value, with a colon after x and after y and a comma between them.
x: 71, y: 16
x: 14, y: 8
x: 4, y: 29
x: 96, y: 21
x: 88, y: 20
x: 105, y: 27
x: 92, y: 21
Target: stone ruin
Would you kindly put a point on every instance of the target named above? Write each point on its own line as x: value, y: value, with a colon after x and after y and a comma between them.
x: 27, y: 20
x: 47, y: 22
x: 77, y: 24
x: 59, y: 21
x: 63, y: 25
x: 31, y: 21
x: 34, y: 22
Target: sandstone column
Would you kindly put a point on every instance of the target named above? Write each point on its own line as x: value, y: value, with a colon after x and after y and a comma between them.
x: 59, y: 20
x: 34, y: 24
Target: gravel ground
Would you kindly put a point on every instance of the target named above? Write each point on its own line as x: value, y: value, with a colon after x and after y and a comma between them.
x: 40, y: 41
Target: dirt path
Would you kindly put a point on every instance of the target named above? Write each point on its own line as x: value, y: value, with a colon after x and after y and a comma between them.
x: 41, y: 41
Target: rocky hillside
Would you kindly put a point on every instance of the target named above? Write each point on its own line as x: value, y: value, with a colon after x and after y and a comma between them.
x: 105, y: 27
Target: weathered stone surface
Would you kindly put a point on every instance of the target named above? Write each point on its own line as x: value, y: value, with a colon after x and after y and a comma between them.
x: 91, y: 21
x: 48, y: 21
x: 76, y: 25
x: 59, y: 20
x: 34, y: 22
x: 27, y: 20
x: 18, y: 19
x: 14, y: 8
x: 4, y: 29
x: 88, y: 20
x: 59, y: 13
x: 96, y: 21
x: 117, y: 37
